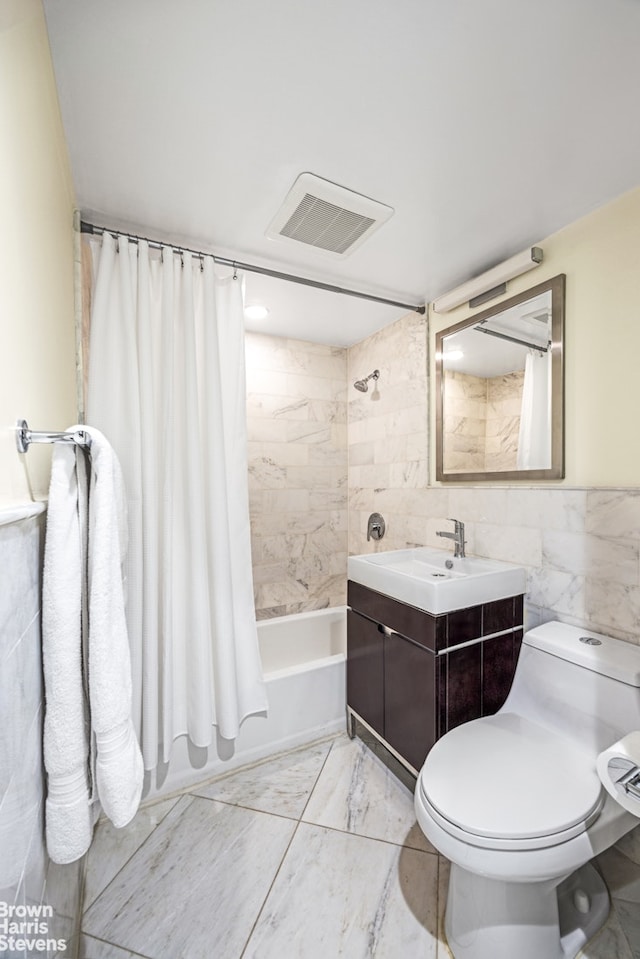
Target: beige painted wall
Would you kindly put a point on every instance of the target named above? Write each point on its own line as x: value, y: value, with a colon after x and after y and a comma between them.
x: 37, y: 344
x: 600, y: 256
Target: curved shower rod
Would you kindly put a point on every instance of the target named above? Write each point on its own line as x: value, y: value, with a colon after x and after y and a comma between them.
x: 90, y: 228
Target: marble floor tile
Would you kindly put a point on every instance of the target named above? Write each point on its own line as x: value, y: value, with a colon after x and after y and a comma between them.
x: 621, y: 876
x: 628, y: 914
x: 387, y: 758
x: 281, y: 786
x: 91, y: 948
x: 444, y: 868
x: 609, y: 943
x: 112, y: 848
x: 356, y: 793
x: 630, y: 845
x: 344, y: 895
x: 356, y: 878
x: 199, y: 879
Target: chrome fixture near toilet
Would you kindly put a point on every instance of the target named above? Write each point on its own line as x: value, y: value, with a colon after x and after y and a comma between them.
x: 457, y: 536
x: 515, y: 800
x: 376, y: 526
x: 363, y: 385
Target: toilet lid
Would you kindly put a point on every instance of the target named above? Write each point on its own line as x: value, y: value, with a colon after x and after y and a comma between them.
x: 505, y: 777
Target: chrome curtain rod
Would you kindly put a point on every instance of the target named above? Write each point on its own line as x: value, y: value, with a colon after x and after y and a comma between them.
x: 90, y: 228
x: 512, y: 339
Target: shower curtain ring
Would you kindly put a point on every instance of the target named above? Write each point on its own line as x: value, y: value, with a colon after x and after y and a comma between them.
x: 235, y: 271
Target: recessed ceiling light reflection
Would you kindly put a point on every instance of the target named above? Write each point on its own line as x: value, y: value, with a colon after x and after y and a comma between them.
x: 453, y: 355
x: 256, y: 312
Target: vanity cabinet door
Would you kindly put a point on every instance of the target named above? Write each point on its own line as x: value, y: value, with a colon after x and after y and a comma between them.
x: 418, y: 676
x: 410, y: 698
x: 365, y: 670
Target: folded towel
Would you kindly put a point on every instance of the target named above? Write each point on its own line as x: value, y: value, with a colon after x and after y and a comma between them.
x: 119, y: 773
x: 66, y: 724
x: 119, y: 767
x: 91, y: 751
x: 69, y: 817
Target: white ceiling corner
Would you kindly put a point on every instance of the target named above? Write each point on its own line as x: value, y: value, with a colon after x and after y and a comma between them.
x: 486, y: 127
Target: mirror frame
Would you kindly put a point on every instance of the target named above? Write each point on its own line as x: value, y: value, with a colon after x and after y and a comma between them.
x: 557, y: 287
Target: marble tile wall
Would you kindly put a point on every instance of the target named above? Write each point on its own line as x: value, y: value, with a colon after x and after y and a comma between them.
x: 482, y: 421
x: 388, y: 448
x: 465, y: 421
x: 581, y: 547
x: 297, y: 432
x: 504, y: 403
x: 26, y: 874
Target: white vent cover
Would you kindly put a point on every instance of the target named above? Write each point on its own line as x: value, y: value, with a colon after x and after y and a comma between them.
x: 327, y: 216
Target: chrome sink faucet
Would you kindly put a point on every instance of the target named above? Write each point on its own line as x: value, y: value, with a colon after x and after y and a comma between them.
x: 457, y: 536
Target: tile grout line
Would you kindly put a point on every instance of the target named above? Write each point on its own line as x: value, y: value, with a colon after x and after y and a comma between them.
x: 318, y: 825
x: 241, y: 805
x: 191, y: 796
x: 125, y: 864
x: 285, y: 854
x: 301, y: 821
x: 188, y: 789
x: 115, y: 945
x: 269, y: 890
x: 296, y: 820
x: 186, y: 792
x: 300, y: 818
x: 317, y: 779
x: 347, y: 832
x: 439, y: 915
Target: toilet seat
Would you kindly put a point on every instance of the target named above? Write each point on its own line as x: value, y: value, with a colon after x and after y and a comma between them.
x: 504, y: 782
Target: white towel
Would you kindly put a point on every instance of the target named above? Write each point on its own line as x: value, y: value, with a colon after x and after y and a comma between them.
x: 99, y: 711
x: 119, y: 768
x: 66, y: 726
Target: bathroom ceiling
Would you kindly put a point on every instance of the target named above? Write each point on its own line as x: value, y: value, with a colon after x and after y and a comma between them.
x: 485, y: 126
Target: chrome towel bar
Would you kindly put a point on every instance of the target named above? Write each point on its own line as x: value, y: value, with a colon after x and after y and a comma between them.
x: 25, y: 437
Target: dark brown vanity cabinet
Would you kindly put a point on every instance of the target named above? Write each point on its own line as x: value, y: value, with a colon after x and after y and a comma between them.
x: 412, y: 676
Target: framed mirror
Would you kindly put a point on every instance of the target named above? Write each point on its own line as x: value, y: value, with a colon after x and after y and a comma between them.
x: 500, y: 390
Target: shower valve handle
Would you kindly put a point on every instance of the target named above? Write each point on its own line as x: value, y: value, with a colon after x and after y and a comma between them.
x: 376, y: 526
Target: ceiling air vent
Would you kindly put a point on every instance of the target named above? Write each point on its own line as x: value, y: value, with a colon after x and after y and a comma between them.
x: 326, y: 216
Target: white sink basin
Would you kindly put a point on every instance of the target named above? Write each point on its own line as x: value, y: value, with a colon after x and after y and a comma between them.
x: 432, y: 580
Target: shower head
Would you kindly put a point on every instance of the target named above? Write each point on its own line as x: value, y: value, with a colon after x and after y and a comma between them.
x: 363, y: 385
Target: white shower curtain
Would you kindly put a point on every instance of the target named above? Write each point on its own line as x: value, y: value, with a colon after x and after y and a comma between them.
x: 534, y: 441
x: 167, y: 386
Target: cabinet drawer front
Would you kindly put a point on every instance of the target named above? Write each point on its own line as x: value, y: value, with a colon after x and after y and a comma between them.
x: 424, y: 629
x: 502, y: 614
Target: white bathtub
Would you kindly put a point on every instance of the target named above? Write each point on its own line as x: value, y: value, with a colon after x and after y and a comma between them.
x: 304, y: 663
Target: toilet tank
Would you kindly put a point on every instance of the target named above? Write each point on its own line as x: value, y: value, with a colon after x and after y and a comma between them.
x: 580, y: 683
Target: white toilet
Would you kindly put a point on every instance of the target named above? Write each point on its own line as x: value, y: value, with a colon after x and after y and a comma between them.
x: 515, y: 802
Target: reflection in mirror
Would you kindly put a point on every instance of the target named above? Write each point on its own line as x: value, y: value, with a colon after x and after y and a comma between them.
x: 499, y: 390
